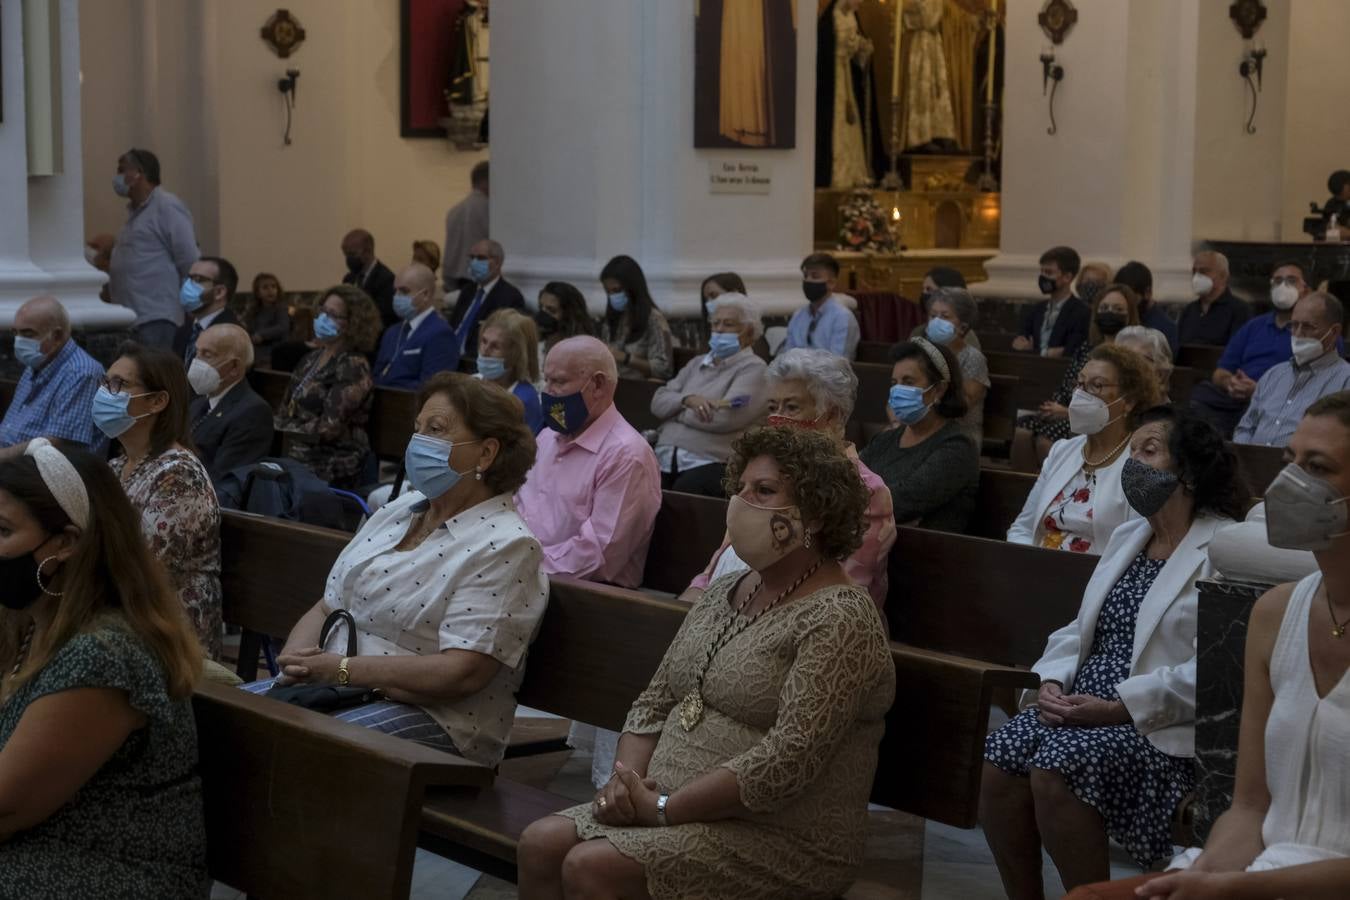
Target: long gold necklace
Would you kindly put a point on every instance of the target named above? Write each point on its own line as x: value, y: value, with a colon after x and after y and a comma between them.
x: 691, y: 707
x: 1337, y: 628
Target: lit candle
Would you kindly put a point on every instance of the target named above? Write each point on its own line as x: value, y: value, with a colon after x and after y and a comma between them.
x: 895, y: 50
x: 895, y: 213
x: 993, y: 46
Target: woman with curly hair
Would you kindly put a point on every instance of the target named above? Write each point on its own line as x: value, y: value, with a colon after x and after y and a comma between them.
x: 327, y: 403
x: 745, y: 766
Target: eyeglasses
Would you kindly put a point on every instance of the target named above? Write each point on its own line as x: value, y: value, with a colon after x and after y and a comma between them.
x: 339, y: 317
x: 1306, y: 329
x: 1291, y: 280
x: 1096, y: 388
x: 203, y: 280
x: 479, y: 256
x: 116, y: 384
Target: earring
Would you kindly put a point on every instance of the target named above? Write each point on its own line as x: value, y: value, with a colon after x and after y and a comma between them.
x: 38, y: 575
x: 477, y: 474
x: 807, y: 541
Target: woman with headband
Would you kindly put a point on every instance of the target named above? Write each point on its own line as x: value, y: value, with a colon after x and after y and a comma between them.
x: 99, y: 795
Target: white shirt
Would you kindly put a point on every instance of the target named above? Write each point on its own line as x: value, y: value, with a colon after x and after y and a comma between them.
x: 205, y: 321
x: 473, y: 584
x: 215, y: 398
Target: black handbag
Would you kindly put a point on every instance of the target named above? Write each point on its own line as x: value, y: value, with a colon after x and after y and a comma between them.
x: 327, y: 698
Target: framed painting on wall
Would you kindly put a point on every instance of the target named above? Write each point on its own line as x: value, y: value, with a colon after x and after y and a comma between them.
x: 443, y: 64
x: 745, y: 74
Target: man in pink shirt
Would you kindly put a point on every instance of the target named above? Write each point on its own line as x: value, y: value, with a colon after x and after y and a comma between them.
x: 593, y: 494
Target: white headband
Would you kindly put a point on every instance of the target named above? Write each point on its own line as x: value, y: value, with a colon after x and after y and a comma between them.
x: 62, y: 480
x: 935, y: 356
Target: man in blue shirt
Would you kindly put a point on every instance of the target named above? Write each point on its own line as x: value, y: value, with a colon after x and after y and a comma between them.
x: 55, y: 396
x: 421, y: 344
x: 1139, y: 277
x: 824, y: 323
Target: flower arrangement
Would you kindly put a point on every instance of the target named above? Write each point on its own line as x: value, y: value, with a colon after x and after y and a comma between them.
x: 865, y: 227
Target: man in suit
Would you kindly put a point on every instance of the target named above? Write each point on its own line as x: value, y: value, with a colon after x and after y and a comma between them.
x: 1058, y: 325
x: 489, y: 293
x: 206, y: 294
x: 368, y: 273
x: 231, y: 424
x: 421, y: 344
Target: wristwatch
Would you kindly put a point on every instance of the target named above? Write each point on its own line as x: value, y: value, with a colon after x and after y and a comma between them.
x: 661, y: 802
x: 344, y: 677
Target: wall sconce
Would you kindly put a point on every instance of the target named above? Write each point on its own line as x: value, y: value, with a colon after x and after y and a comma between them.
x: 1050, y: 71
x: 1057, y: 18
x: 287, y: 87
x: 1253, y: 61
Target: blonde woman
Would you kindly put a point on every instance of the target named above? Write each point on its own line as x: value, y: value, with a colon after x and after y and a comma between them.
x: 508, y: 355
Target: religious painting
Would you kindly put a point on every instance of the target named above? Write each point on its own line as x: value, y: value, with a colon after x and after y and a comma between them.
x: 745, y: 74
x: 444, y: 70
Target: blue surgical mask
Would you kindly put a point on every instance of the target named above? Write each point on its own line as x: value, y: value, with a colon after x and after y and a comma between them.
x: 325, y: 329
x: 940, y: 331
x: 618, y: 301
x: 906, y: 402
x: 427, y: 463
x: 120, y: 186
x: 491, y: 368
x: 478, y: 270
x: 723, y: 344
x: 28, y: 351
x: 564, y: 414
x: 110, y: 412
x: 190, y: 295
x: 403, y: 306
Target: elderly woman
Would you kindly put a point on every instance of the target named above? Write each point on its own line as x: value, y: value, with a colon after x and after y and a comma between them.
x: 936, y: 279
x: 143, y: 405
x: 444, y: 583
x: 815, y: 390
x: 1115, y: 308
x: 1076, y: 502
x: 1151, y: 344
x: 508, y: 356
x: 635, y: 330
x: 562, y: 314
x: 745, y: 767
x: 928, y: 461
x: 952, y: 315
x: 325, y: 408
x: 1106, y: 747
x: 711, y: 401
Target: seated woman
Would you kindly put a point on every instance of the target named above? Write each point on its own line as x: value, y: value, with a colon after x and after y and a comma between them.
x: 444, y: 583
x: 428, y: 253
x: 712, y: 400
x: 508, y: 356
x: 1151, y: 344
x: 635, y: 330
x: 562, y: 314
x: 266, y: 316
x: 1077, y: 501
x: 952, y: 314
x: 143, y: 405
x: 928, y: 461
x: 713, y: 287
x: 1107, y: 746
x: 1116, y: 307
x: 327, y: 403
x: 936, y: 279
x: 745, y: 767
x: 99, y: 790
x: 1287, y: 833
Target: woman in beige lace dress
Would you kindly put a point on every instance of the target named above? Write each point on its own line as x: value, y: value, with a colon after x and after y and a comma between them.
x: 745, y: 767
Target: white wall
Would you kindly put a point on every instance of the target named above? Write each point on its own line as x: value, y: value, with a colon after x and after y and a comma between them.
x: 1316, y: 121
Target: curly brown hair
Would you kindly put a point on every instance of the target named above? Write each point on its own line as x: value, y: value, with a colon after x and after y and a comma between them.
x: 825, y: 483
x: 1138, y: 379
x: 363, y: 317
x: 490, y: 412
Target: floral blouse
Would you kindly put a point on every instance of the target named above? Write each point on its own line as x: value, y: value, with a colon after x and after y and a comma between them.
x: 656, y: 345
x: 330, y: 402
x: 1068, y: 521
x: 180, y: 520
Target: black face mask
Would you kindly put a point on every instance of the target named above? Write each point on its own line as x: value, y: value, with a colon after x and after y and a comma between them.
x: 19, y: 577
x: 1110, y: 323
x: 354, y: 264
x: 1147, y: 489
x: 815, y: 290
x: 1046, y: 284
x: 547, y: 322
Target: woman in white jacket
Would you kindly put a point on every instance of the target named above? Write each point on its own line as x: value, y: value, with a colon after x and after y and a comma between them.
x: 1107, y: 746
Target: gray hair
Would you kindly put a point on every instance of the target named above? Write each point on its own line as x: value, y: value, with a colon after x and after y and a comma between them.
x: 1154, y: 345
x: 829, y: 378
x: 748, y: 309
x: 961, y: 302
x: 1220, y: 261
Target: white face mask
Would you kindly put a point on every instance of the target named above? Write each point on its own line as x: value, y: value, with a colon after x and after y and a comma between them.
x: 203, y: 377
x: 1306, y: 349
x: 1201, y: 284
x: 1088, y: 414
x: 1284, y: 296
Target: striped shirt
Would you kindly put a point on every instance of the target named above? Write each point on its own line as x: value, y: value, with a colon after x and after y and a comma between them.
x: 1284, y: 393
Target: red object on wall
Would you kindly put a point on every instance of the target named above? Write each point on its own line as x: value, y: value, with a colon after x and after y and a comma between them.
x: 883, y: 316
x: 427, y: 52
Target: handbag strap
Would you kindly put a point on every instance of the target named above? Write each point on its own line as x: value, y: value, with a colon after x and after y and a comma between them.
x: 334, y: 617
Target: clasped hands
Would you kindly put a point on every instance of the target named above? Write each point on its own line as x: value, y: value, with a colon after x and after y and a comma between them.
x: 1078, y: 710
x: 1240, y: 387
x: 626, y: 799
x: 311, y: 665
x: 702, y: 407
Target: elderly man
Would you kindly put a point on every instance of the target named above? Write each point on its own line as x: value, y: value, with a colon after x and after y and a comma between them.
x: 368, y: 273
x: 206, y: 296
x: 231, y: 424
x: 153, y: 251
x: 56, y: 390
x: 421, y: 344
x: 488, y: 293
x: 593, y: 494
x: 1215, y: 315
x: 1287, y: 389
x: 465, y: 225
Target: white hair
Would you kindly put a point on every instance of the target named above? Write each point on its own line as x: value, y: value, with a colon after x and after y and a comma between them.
x: 748, y: 309
x: 829, y: 378
x: 1154, y: 345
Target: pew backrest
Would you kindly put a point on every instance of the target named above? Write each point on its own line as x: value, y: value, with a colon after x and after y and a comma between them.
x: 1259, y: 465
x: 999, y: 498
x: 272, y: 571
x: 633, y: 397
x: 689, y: 529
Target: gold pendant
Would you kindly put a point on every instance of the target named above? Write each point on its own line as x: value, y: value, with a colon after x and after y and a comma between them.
x: 1337, y: 631
x: 691, y: 710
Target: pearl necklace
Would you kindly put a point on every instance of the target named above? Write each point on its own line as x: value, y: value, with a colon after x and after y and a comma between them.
x: 1093, y: 465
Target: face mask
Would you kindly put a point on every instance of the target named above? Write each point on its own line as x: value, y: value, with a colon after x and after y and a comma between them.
x: 90, y: 255
x: 403, y: 306
x: 354, y: 264
x: 940, y: 331
x: 547, y: 322
x: 1306, y: 349
x: 1284, y: 296
x: 203, y: 377
x: 479, y: 270
x: 1303, y: 512
x: 762, y: 535
x: 723, y: 345
x: 906, y: 402
x: 814, y: 291
x: 1088, y: 290
x: 618, y: 302
x: 19, y: 575
x: 427, y: 462
x: 1046, y: 284
x: 1110, y: 323
x: 120, y: 186
x: 564, y: 414
x: 28, y: 351
x: 190, y: 295
x: 1088, y: 414
x: 492, y: 368
x: 1146, y: 489
x: 110, y: 412
x: 325, y: 329
x: 1201, y: 284
x: 777, y: 421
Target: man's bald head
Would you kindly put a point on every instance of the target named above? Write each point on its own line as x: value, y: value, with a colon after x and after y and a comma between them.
x: 582, y: 364
x: 419, y: 283
x: 229, y: 350
x: 43, y: 319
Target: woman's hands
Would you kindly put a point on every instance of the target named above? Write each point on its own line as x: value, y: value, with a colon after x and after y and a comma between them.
x: 703, y: 407
x: 627, y: 799
x: 311, y: 665
x: 1191, y: 885
x: 1078, y: 710
x: 1052, y: 410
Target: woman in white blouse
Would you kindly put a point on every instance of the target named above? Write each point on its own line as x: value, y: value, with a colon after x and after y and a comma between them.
x: 1077, y: 502
x: 444, y: 582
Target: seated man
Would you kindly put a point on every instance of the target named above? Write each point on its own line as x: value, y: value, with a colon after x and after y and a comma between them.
x: 1215, y: 315
x: 1138, y: 276
x: 421, y: 343
x: 1058, y: 325
x: 231, y: 424
x: 825, y: 322
x: 56, y: 390
x: 1263, y: 342
x: 1286, y: 391
x: 592, y: 496
x: 206, y: 295
x: 488, y: 293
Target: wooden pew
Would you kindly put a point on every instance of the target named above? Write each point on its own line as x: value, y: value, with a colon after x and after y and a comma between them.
x: 633, y: 397
x: 1000, y: 415
x: 1001, y: 495
x: 1260, y: 465
x: 1199, y: 356
x: 877, y: 352
x: 270, y: 385
x: 689, y: 529
x: 1041, y: 376
x: 392, y: 411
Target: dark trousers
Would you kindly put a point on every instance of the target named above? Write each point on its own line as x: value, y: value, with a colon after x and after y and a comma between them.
x: 705, y: 480
x: 1217, y: 408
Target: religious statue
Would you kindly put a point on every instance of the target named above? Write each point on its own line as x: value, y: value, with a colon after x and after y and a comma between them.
x: 928, y: 124
x: 467, y: 93
x: 849, y: 151
x: 756, y: 62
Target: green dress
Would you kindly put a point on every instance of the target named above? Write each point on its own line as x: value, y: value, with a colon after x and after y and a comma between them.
x: 136, y: 829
